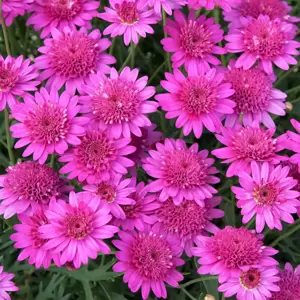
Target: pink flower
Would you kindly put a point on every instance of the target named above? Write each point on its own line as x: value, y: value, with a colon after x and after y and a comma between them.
x: 148, y: 259
x: 130, y: 18
x: 232, y: 250
x: 60, y: 14
x: 70, y: 57
x: 142, y: 211
x: 181, y: 172
x: 188, y: 220
x: 246, y: 144
x: 293, y: 143
x: 76, y: 230
x: 16, y: 80
x: 254, y: 96
x: 97, y: 158
x: 47, y: 124
x: 27, y: 186
x: 167, y: 5
x: 264, y: 40
x: 267, y: 195
x: 12, y: 9
x: 6, y: 285
x: 289, y: 284
x: 193, y: 41
x: 115, y: 192
x: 196, y: 100
x: 119, y: 103
x: 252, y: 284
x: 28, y: 238
x: 295, y: 174
x: 210, y: 4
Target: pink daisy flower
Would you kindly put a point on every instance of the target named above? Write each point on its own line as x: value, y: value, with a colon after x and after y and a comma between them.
x: 210, y: 4
x: 274, y: 9
x: 265, y: 40
x: 289, y: 284
x: 181, y: 172
x: 232, y: 250
x: 12, y: 9
x: 188, y: 220
x: 252, y: 284
x: 196, y: 100
x: 130, y: 18
x: 98, y: 157
x: 149, y: 260
x: 76, y: 229
x: 167, y: 5
x: 254, y: 97
x: 27, y: 186
x: 47, y: 124
x: 17, y: 79
x: 142, y: 211
x: 119, y: 103
x: 28, y: 238
x: 193, y: 41
x: 268, y: 195
x: 60, y: 14
x: 246, y: 144
x: 116, y: 192
x: 70, y: 57
x: 293, y: 143
x: 6, y: 285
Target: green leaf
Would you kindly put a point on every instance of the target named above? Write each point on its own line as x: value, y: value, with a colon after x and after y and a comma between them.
x: 212, y: 287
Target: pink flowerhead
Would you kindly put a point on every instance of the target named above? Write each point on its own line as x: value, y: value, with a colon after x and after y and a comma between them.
x: 70, y: 57
x: 27, y: 186
x: 116, y: 192
x: 6, y: 285
x: 167, y: 5
x: 246, y: 144
x: 193, y: 41
x: 119, y: 103
x: 268, y: 195
x: 254, y: 97
x: 76, y: 229
x: 47, y: 124
x: 293, y: 143
x: 232, y: 250
x: 210, y: 4
x: 149, y: 260
x: 142, y: 211
x: 196, y: 100
x: 28, y: 238
x: 265, y: 40
x: 60, y: 14
x: 97, y: 158
x: 17, y: 78
x: 13, y: 8
x: 289, y: 284
x: 188, y: 220
x: 130, y: 18
x: 255, y: 283
x: 181, y: 172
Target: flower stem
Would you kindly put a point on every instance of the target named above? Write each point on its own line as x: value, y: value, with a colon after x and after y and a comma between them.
x: 6, y: 42
x: 200, y: 279
x: 132, y: 53
x: 52, y: 162
x: 188, y: 294
x: 87, y: 290
x: 105, y: 291
x: 167, y: 54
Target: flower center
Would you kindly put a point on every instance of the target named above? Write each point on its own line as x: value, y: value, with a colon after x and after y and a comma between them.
x: 8, y: 78
x: 63, y: 9
x: 151, y: 256
x: 264, y: 38
x: 250, y: 279
x: 195, y: 39
x: 106, y: 192
x: 74, y: 55
x: 127, y: 12
x: 77, y: 225
x: 116, y: 101
x: 132, y: 211
x: 265, y: 194
x: 38, y: 220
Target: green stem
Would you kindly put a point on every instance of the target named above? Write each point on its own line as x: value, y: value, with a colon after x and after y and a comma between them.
x: 283, y: 74
x: 216, y: 13
x: 128, y: 58
x: 250, y: 223
x: 188, y: 294
x: 105, y: 291
x: 112, y: 46
x: 162, y: 122
x: 8, y: 138
x: 87, y: 290
x: 200, y: 279
x: 132, y: 52
x: 156, y: 72
x: 181, y: 134
x: 167, y: 54
x: 292, y: 90
x: 52, y: 160
x: 4, y: 29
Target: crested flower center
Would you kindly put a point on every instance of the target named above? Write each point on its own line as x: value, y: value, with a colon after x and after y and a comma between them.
x: 236, y: 247
x: 250, y: 279
x: 33, y: 182
x: 252, y: 89
x: 151, y: 256
x: 132, y: 211
x: 106, y: 192
x: 253, y: 143
x: 184, y: 169
x: 198, y: 96
x: 38, y: 220
x: 47, y: 123
x: 295, y: 174
x: 78, y: 225
x: 265, y: 194
x: 264, y: 38
x: 74, y: 55
x: 63, y: 9
x: 116, y: 101
x: 195, y: 39
x: 8, y: 78
x: 127, y: 12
